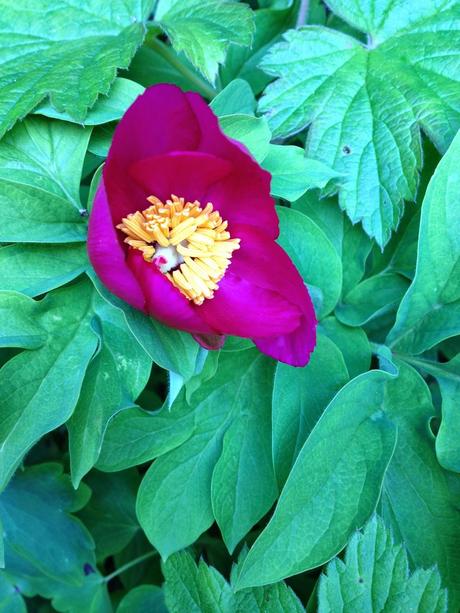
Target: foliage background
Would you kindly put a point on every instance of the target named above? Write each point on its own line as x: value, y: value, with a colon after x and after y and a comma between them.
x: 137, y: 471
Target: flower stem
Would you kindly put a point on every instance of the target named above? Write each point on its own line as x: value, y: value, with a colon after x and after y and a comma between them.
x: 302, y: 15
x: 166, y: 53
x: 129, y: 565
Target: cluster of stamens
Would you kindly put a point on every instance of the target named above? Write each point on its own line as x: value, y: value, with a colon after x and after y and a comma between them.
x: 189, y: 244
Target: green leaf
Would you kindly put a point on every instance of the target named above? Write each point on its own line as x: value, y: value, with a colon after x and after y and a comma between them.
x: 430, y: 311
x: 39, y: 188
x: 115, y: 377
x: 201, y: 589
x: 293, y: 174
x: 177, y: 499
x: 448, y: 377
x: 372, y: 298
x: 332, y: 488
x: 111, y: 107
x: 253, y: 132
x: 419, y: 497
x: 314, y: 257
x: 300, y: 396
x: 242, y: 62
x: 110, y: 514
x: 36, y: 269
x: 243, y: 486
x: 143, y: 598
x: 204, y: 32
x: 19, y: 326
x: 135, y: 436
x: 352, y: 342
x: 351, y: 243
x: 34, y: 400
x: 374, y: 576
x: 396, y: 85
x: 169, y: 348
x: 47, y: 550
x: 235, y: 99
x: 70, y: 53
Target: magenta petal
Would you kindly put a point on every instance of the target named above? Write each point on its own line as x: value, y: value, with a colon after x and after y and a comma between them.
x: 188, y: 174
x: 243, y: 196
x: 164, y: 301
x: 263, y: 263
x: 107, y: 255
x: 293, y: 348
x: 241, y: 308
x: 159, y: 121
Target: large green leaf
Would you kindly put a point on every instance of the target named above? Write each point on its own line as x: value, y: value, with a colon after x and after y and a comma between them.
x: 40, y: 170
x: 11, y: 600
x: 352, y: 342
x: 333, y: 487
x: 430, y: 310
x: 69, y: 51
x: 114, y: 379
x: 204, y: 31
x: 420, y: 499
x: 34, y: 399
x: 374, y: 576
x: 366, y: 104
x: 300, y: 395
x: 47, y: 550
x: 145, y: 598
x: 184, y: 490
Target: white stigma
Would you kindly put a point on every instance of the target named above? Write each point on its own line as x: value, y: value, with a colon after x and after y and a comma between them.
x: 167, y: 258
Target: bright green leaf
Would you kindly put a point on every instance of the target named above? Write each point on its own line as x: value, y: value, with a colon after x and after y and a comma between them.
x: 235, y: 99
x: 68, y: 51
x: 396, y: 85
x: 40, y: 170
x: 253, y: 132
x: 144, y: 598
x: 111, y: 107
x: 293, y: 173
x: 36, y: 269
x: 204, y: 31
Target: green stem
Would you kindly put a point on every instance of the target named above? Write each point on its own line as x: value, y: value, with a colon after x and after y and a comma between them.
x: 129, y: 565
x: 169, y: 55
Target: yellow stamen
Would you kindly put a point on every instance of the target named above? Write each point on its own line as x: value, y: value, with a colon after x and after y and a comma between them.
x: 191, y: 245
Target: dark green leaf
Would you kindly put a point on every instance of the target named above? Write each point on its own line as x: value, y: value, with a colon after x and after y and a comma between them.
x: 374, y: 576
x: 430, y: 311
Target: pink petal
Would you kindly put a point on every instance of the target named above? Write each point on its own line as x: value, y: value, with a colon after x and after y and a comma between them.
x: 244, y: 195
x: 107, y: 255
x: 241, y: 308
x: 262, y: 263
x: 159, y: 121
x: 184, y: 173
x: 164, y: 301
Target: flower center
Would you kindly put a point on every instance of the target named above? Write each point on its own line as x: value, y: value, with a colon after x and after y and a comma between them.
x: 187, y: 243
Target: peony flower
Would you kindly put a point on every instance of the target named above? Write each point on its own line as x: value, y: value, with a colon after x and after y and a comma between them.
x: 183, y: 228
